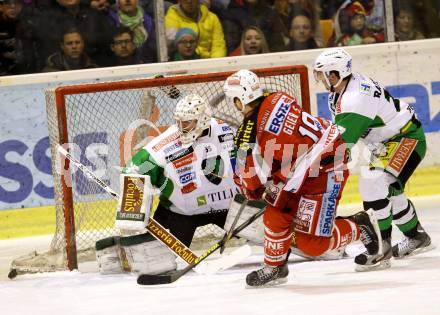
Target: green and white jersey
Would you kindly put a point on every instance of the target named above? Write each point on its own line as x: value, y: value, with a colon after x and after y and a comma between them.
x: 195, y: 180
x: 368, y: 112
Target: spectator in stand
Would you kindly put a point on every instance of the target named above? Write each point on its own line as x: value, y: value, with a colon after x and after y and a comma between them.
x: 329, y: 8
x: 131, y: 15
x: 124, y: 48
x: 301, y: 33
x: 354, y: 30
x: 65, y: 14
x: 207, y: 26
x: 16, y: 54
x: 252, y: 42
x: 101, y: 5
x: 404, y: 23
x: 426, y: 16
x: 71, y: 55
x: 374, y: 23
x: 313, y: 10
x: 269, y: 21
x: 185, y: 45
x: 234, y: 18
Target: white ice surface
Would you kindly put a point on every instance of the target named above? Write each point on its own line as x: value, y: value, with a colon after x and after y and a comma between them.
x: 411, y: 286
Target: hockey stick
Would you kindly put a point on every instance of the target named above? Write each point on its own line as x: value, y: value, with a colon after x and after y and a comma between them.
x: 157, y: 230
x: 228, y: 235
x: 175, y: 275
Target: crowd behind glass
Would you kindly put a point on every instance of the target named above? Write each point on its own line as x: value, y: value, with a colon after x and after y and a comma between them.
x: 55, y: 35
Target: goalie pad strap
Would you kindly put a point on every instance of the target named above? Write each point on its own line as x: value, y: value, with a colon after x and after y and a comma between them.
x: 150, y: 257
x: 110, y: 256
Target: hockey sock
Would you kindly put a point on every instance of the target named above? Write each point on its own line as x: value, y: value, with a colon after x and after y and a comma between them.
x: 344, y: 233
x: 382, y: 209
x: 276, y: 246
x: 404, y: 215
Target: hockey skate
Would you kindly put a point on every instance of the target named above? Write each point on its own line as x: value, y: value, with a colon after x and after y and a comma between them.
x: 378, y: 261
x: 268, y: 276
x: 370, y: 233
x: 378, y: 253
x: 410, y: 246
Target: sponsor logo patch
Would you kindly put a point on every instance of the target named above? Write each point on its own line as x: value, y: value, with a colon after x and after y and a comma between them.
x: 328, y: 207
x: 278, y: 115
x: 165, y: 141
x: 221, y: 195
x: 365, y: 88
x: 179, y: 154
x: 132, y: 197
x: 226, y: 128
x: 401, y: 156
x: 188, y: 188
x: 184, y: 169
x: 188, y: 159
x: 226, y: 137
x: 185, y: 178
x: 174, y: 146
x: 304, y: 217
x: 201, y: 200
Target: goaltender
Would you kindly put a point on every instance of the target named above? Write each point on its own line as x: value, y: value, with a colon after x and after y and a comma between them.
x: 191, y: 164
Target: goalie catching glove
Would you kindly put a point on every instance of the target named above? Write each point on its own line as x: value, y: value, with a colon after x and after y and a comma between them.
x: 140, y: 254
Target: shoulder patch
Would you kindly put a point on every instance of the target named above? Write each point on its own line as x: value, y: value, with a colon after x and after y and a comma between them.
x: 365, y: 88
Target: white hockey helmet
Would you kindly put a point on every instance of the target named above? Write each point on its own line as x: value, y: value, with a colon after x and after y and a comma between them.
x: 192, y: 108
x: 333, y: 59
x: 244, y: 85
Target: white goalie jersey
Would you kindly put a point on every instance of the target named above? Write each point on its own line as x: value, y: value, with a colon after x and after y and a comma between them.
x: 195, y: 180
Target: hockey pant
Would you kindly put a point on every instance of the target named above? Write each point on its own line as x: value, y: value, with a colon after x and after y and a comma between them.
x: 183, y: 227
x: 382, y: 185
x: 308, y: 221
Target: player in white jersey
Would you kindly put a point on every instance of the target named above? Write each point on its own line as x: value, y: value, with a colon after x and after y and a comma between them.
x: 191, y: 164
x: 366, y: 112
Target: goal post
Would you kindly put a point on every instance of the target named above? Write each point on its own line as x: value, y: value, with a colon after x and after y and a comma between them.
x: 104, y: 124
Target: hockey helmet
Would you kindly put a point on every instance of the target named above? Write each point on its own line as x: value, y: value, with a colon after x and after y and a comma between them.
x: 333, y: 59
x: 244, y: 85
x: 192, y: 115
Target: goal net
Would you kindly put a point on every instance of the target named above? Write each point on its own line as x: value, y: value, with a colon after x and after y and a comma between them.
x: 104, y: 124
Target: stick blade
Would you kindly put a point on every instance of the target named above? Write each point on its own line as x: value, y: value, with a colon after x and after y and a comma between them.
x: 226, y: 261
x: 154, y: 279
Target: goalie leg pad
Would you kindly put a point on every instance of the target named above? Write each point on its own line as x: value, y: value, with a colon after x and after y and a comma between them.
x: 255, y: 231
x: 146, y: 255
x: 110, y: 256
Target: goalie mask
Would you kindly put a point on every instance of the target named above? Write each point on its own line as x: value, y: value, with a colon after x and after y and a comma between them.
x: 333, y: 59
x: 244, y: 85
x: 192, y: 115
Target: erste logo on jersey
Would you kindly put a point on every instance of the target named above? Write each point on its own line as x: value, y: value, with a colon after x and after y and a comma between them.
x: 176, y: 145
x: 278, y: 115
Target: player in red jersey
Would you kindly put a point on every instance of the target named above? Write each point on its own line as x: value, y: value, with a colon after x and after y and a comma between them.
x: 297, y: 162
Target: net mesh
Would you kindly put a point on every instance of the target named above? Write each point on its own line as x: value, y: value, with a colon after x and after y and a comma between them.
x: 104, y: 129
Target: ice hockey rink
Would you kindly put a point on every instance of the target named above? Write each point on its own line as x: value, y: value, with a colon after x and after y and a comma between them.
x: 411, y: 286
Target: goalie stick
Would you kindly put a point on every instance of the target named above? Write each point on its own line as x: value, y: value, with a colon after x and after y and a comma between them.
x: 175, y: 275
x: 157, y: 230
x: 228, y: 235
